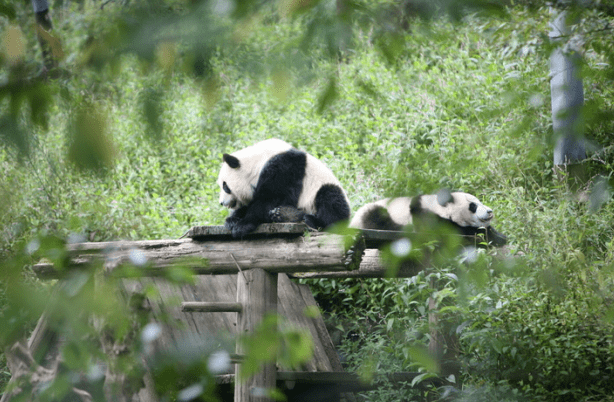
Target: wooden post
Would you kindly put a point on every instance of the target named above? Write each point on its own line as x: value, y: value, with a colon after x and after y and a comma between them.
x: 257, y: 293
x: 443, y: 344
x: 435, y: 345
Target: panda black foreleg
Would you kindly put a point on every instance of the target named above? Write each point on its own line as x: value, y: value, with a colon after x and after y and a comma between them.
x: 497, y: 239
x: 331, y: 207
x: 249, y: 217
x: 234, y: 217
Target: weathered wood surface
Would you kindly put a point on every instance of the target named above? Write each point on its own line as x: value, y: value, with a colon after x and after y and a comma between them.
x: 371, y: 266
x: 211, y: 307
x: 257, y: 293
x: 377, y: 238
x: 265, y: 229
x: 342, y: 380
x: 299, y: 297
x: 318, y: 251
x: 292, y: 300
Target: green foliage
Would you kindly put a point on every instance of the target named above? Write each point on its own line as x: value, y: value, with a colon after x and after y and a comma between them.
x: 552, y: 349
x: 267, y: 344
x: 396, y: 100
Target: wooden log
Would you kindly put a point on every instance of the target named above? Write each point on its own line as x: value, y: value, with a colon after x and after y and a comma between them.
x: 371, y: 266
x: 199, y: 232
x: 485, y: 236
x: 347, y: 382
x: 317, y: 251
x: 211, y: 307
x: 257, y: 292
x: 377, y: 238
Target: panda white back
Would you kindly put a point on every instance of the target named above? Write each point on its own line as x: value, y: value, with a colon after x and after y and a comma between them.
x: 386, y: 214
x: 398, y: 209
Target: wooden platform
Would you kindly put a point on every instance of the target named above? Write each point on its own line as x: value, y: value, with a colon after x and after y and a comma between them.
x: 217, y: 259
x: 293, y: 300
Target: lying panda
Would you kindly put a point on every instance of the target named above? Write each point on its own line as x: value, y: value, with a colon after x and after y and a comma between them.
x: 271, y: 181
x: 464, y: 211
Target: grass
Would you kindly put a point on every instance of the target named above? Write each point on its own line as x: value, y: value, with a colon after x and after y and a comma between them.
x: 464, y: 106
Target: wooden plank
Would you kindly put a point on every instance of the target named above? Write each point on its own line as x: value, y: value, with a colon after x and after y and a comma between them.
x: 320, y: 332
x: 341, y: 378
x: 199, y: 232
x: 317, y: 251
x: 257, y: 292
x: 378, y: 238
x: 290, y: 294
x: 223, y: 289
x: 371, y: 266
x: 210, y: 307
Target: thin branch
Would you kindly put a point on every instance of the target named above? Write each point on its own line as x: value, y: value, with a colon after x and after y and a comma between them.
x: 238, y: 267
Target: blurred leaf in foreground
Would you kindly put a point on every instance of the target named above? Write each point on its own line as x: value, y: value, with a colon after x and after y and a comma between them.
x: 90, y: 148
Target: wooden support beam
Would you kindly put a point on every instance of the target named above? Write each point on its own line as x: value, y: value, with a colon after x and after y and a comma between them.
x: 371, y: 266
x: 257, y: 293
x: 344, y: 381
x: 317, y: 251
x: 211, y: 307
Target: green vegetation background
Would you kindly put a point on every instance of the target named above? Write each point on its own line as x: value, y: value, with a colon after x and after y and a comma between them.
x: 460, y: 105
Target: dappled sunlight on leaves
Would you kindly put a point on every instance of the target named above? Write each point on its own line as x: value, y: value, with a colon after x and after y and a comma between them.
x: 13, y: 44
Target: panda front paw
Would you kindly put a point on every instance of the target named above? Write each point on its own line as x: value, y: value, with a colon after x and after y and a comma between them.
x: 231, y: 222
x: 240, y: 229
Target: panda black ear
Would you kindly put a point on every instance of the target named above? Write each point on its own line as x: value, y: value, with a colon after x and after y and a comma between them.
x: 232, y: 161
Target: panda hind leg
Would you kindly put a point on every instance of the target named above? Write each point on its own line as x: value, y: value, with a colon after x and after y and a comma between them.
x: 286, y: 213
x: 331, y: 206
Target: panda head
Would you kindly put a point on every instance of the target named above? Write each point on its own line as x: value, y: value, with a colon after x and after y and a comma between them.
x: 240, y: 171
x: 466, y: 210
x: 235, y: 187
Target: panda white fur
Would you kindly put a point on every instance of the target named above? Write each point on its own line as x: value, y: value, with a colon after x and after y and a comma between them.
x: 271, y: 181
x: 464, y: 211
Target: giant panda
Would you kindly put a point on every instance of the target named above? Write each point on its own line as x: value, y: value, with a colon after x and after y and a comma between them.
x: 271, y: 181
x: 462, y: 210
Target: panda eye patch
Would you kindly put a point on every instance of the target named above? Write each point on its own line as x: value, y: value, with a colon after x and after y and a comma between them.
x: 473, y: 207
x: 226, y: 189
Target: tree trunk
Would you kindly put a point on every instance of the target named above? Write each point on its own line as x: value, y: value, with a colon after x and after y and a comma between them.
x: 567, y: 97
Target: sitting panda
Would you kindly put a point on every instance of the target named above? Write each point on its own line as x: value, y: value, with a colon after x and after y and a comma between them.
x: 462, y: 210
x: 271, y: 181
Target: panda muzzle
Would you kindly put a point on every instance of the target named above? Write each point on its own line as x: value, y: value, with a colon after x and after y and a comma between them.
x: 232, y: 204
